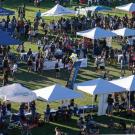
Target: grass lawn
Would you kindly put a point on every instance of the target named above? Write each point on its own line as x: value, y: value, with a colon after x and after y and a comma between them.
x: 34, y: 81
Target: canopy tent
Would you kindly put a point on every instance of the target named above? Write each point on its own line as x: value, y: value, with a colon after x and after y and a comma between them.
x: 5, y: 12
x: 124, y: 32
x: 17, y: 93
x: 97, y: 8
x: 96, y: 33
x: 6, y: 39
x: 127, y: 82
x: 102, y: 88
x: 56, y: 92
x: 99, y: 86
x: 128, y: 7
x: 58, y: 10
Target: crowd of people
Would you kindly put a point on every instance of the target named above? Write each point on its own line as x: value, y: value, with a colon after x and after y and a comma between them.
x: 56, y: 42
x: 25, y: 119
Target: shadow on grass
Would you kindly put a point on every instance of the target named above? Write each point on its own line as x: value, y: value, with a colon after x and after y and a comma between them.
x: 49, y: 129
x: 104, y: 121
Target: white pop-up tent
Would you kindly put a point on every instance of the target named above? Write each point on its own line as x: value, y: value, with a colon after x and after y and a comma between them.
x: 99, y: 86
x: 124, y: 32
x: 102, y: 88
x: 127, y: 82
x: 56, y: 92
x: 97, y: 8
x: 58, y: 10
x: 128, y: 7
x: 17, y: 93
x: 96, y: 33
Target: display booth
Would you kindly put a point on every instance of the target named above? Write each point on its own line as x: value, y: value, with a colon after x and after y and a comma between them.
x: 101, y: 88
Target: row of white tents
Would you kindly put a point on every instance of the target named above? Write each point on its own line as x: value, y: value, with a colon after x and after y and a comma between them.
x: 59, y: 10
x: 95, y: 33
x: 99, y: 33
x: 18, y: 93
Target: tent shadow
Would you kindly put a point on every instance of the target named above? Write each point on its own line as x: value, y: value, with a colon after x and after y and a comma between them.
x: 104, y: 121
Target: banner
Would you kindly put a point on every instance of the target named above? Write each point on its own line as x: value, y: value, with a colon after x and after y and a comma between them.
x: 73, y: 74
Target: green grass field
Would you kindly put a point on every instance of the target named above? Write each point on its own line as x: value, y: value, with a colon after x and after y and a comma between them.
x: 34, y: 81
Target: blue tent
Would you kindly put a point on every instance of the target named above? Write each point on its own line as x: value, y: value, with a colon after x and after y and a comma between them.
x: 98, y: 8
x: 5, y: 12
x: 6, y: 39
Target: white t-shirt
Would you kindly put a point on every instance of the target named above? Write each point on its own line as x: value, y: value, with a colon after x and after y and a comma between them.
x: 15, y: 68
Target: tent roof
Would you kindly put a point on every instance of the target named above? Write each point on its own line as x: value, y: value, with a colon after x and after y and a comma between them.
x: 97, y: 8
x: 127, y: 82
x: 56, y: 92
x: 17, y: 93
x: 5, y: 12
x: 6, y: 39
x: 128, y: 7
x: 58, y: 10
x: 96, y: 33
x: 99, y: 86
x: 124, y: 32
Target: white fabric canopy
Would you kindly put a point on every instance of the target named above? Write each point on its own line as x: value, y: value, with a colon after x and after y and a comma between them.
x: 17, y: 93
x: 128, y: 7
x: 96, y: 33
x: 97, y: 8
x: 127, y: 82
x: 98, y: 86
x: 58, y: 10
x: 124, y: 32
x: 56, y: 92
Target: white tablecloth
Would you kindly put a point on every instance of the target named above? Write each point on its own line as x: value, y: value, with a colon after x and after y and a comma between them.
x: 26, y: 114
x: 48, y: 65
x: 22, y: 55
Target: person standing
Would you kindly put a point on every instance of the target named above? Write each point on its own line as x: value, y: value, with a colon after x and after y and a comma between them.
x: 14, y: 70
x: 38, y: 15
x: 41, y: 64
x: 110, y: 102
x: 37, y: 63
x: 5, y: 76
x: 33, y: 109
x: 57, y: 69
x: 6, y: 70
x: 123, y: 62
x: 47, y: 114
x: 29, y: 63
x: 5, y: 63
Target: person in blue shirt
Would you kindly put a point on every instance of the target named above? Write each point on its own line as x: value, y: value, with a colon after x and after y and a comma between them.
x: 38, y: 15
x: 4, y: 109
x: 21, y: 110
x: 47, y: 113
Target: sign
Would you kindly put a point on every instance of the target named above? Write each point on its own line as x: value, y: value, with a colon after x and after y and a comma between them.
x: 73, y: 74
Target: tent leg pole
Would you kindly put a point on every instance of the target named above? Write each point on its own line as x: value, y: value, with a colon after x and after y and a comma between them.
x: 129, y: 99
x: 92, y: 108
